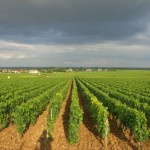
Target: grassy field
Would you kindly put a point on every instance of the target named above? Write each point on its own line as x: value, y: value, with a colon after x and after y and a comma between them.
x: 100, y: 74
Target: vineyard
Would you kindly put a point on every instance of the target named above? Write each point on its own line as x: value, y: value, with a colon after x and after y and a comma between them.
x: 81, y: 110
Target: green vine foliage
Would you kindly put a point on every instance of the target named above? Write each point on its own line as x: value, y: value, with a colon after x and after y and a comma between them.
x: 55, y: 106
x: 12, y: 101
x: 97, y: 111
x: 22, y: 118
x: 129, y: 101
x: 3, y: 115
x: 133, y: 119
x: 76, y: 116
x: 27, y: 113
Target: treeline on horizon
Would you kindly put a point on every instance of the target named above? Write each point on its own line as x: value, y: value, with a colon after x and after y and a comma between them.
x: 77, y: 69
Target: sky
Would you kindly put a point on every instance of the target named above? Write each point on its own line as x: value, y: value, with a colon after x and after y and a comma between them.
x: 79, y: 33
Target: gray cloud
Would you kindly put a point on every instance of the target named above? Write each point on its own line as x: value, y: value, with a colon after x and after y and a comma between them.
x: 41, y: 26
x: 55, y: 21
x: 49, y: 11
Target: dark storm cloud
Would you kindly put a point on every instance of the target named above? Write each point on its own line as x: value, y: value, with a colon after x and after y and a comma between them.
x: 72, y: 21
x: 70, y: 10
x: 75, y: 33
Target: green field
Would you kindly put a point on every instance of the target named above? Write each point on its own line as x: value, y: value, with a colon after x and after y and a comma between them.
x: 123, y: 94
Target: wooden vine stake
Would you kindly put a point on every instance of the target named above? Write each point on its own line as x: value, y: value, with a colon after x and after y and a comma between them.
x: 106, y: 133
x: 51, y: 113
x: 46, y: 127
x: 140, y: 145
x: 45, y: 124
x: 20, y: 136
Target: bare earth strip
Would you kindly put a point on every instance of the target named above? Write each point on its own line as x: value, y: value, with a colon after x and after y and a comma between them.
x: 10, y: 140
x: 117, y: 140
x: 87, y: 138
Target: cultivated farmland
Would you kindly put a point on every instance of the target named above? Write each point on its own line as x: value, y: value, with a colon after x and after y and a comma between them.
x: 75, y: 110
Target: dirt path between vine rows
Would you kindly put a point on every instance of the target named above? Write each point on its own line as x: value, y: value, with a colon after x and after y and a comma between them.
x: 88, y: 137
x: 117, y: 140
x: 10, y: 139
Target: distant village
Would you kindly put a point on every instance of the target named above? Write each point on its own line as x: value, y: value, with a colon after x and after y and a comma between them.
x: 19, y: 71
x: 39, y: 70
x: 48, y: 70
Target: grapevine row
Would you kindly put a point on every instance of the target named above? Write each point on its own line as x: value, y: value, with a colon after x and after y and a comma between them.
x: 55, y: 106
x: 129, y: 117
x: 129, y: 101
x: 27, y: 113
x: 97, y: 111
x: 7, y: 108
x: 76, y: 116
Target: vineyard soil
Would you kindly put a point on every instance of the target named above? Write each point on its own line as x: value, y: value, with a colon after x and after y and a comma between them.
x: 10, y: 139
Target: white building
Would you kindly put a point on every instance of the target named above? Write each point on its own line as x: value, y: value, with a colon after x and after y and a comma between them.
x: 99, y: 70
x: 70, y: 70
x: 34, y: 71
x: 88, y: 70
